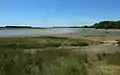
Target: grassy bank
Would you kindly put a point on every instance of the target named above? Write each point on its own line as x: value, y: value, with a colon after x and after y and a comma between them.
x: 50, y: 60
x: 54, y: 56
x: 39, y: 42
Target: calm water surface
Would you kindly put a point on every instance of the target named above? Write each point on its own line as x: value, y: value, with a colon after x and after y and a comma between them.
x: 34, y: 32
x: 58, y: 31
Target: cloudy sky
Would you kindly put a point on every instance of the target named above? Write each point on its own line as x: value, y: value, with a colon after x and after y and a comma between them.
x: 45, y: 13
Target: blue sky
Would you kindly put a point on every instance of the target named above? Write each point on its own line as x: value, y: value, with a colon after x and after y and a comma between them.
x: 45, y: 13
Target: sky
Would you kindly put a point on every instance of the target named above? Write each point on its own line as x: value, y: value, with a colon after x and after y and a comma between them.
x: 47, y: 13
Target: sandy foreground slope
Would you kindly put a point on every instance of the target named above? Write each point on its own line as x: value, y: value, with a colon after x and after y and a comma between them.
x: 97, y: 55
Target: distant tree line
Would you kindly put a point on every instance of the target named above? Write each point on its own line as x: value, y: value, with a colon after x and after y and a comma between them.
x: 18, y: 27
x: 74, y: 27
x: 67, y: 27
x: 107, y: 25
x: 23, y: 27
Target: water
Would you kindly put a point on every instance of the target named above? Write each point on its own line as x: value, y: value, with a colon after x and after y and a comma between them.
x: 58, y: 31
x: 34, y: 32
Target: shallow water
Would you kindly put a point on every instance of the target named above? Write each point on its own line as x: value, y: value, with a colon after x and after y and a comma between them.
x: 34, y: 32
x: 58, y: 31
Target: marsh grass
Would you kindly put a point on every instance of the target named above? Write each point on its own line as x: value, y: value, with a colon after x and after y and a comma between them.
x: 39, y: 42
x: 50, y: 61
